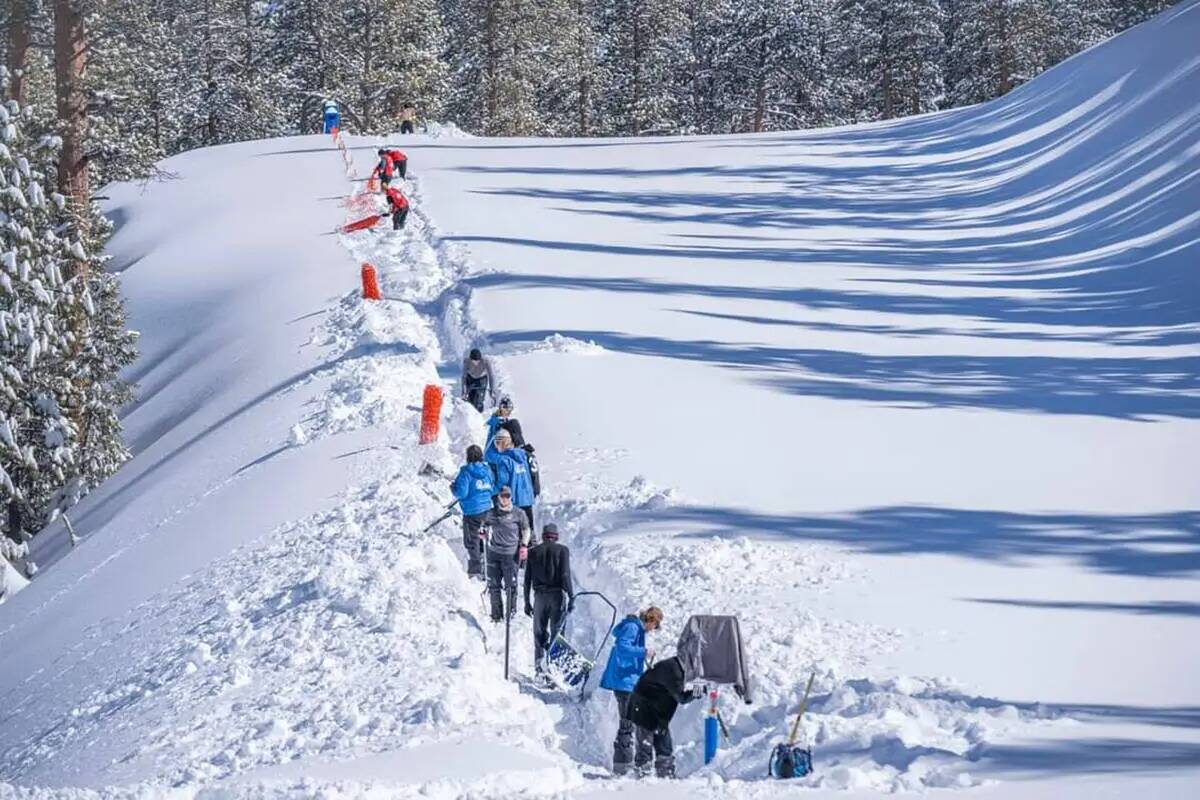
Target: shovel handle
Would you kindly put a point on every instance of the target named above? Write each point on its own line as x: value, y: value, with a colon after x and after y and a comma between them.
x: 800, y: 715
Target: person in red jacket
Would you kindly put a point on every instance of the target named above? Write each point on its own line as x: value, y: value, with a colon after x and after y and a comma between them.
x: 399, y: 161
x: 391, y: 163
x: 398, y: 204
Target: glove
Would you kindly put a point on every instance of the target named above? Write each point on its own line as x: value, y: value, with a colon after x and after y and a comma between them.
x: 649, y: 655
x: 522, y: 554
x: 528, y: 610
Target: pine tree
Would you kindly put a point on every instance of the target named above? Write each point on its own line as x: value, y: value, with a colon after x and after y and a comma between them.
x: 63, y: 340
x: 638, y: 58
x: 1122, y: 14
x: 890, y: 56
x: 997, y: 47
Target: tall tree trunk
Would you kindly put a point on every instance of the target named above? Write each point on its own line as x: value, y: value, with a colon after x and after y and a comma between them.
x: 70, y: 67
x: 18, y: 49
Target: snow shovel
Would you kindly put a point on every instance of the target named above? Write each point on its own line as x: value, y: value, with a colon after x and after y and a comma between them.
x: 569, y: 661
x: 362, y: 224
x: 449, y: 513
x: 788, y: 760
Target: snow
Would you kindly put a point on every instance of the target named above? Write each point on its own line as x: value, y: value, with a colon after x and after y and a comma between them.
x: 918, y: 401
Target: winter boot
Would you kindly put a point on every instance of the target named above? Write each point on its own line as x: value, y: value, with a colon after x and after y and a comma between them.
x: 664, y: 766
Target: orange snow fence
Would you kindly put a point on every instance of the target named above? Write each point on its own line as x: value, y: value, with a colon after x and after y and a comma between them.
x: 365, y: 222
x: 370, y: 283
x: 431, y: 413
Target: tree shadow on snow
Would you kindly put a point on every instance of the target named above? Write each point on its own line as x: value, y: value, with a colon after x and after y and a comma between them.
x: 1122, y: 388
x: 1146, y: 545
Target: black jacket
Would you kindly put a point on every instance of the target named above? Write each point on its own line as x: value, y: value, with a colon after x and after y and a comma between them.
x: 657, y: 694
x: 548, y: 569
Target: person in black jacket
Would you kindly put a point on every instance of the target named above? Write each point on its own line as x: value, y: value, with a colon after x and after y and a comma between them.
x: 548, y: 573
x: 655, y: 698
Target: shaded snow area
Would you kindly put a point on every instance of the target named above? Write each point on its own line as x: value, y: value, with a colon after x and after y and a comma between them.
x: 918, y: 401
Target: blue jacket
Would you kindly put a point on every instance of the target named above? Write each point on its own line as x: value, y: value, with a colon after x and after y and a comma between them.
x: 512, y: 470
x: 627, y: 658
x: 474, y: 488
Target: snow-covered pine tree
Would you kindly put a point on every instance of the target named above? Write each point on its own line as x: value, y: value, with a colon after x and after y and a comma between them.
x: 699, y: 43
x: 1071, y: 26
x: 63, y: 339
x: 638, y: 58
x: 37, y: 438
x: 765, y: 42
x: 997, y: 47
x: 890, y: 56
x: 1122, y: 14
x: 503, y: 56
x: 384, y: 54
x: 571, y: 76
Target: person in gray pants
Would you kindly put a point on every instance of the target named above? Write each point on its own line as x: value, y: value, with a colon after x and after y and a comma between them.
x: 508, y: 543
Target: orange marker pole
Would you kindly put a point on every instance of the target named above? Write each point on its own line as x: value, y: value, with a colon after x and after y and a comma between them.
x: 431, y: 414
x: 370, y: 283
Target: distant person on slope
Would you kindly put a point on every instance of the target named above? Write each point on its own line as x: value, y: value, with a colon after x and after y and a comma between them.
x: 502, y: 418
x: 474, y: 487
x: 408, y: 119
x: 652, y: 706
x: 478, y: 381
x: 398, y: 207
x: 331, y: 116
x: 508, y: 540
x: 626, y: 661
x: 548, y: 573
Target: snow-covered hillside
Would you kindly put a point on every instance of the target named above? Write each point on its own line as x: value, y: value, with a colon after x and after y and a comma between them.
x: 919, y: 401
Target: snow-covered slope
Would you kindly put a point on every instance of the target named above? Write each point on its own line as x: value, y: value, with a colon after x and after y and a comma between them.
x: 919, y: 401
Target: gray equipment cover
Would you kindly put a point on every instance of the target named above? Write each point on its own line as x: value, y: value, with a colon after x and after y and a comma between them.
x: 711, y: 649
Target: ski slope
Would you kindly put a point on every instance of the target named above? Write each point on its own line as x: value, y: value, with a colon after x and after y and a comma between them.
x: 919, y: 401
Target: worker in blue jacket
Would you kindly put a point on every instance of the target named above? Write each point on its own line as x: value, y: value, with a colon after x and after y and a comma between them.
x: 511, y: 467
x: 474, y: 487
x: 626, y: 661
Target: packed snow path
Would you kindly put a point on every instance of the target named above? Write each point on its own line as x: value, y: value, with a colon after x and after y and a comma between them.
x: 915, y: 399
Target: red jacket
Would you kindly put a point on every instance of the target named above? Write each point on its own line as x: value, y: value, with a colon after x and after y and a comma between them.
x: 396, y: 198
x: 396, y: 156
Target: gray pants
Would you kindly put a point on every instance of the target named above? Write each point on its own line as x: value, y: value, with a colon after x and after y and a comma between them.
x: 472, y: 543
x: 656, y: 745
x: 547, y: 616
x: 501, y: 566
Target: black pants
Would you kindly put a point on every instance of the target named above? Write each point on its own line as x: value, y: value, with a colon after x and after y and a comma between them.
x: 398, y: 217
x: 501, y: 566
x: 528, y: 515
x: 402, y: 168
x: 477, y: 391
x: 473, y: 544
x: 406, y: 126
x: 547, y: 616
x: 656, y: 745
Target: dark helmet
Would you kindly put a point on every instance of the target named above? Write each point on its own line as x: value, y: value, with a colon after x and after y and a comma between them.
x: 475, y: 354
x: 474, y: 453
x: 506, y: 402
